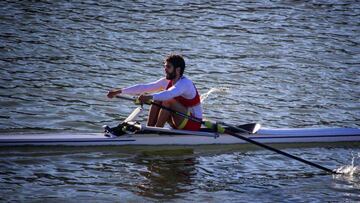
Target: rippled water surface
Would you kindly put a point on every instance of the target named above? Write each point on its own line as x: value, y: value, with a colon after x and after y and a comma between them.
x: 108, y: 174
x: 280, y: 63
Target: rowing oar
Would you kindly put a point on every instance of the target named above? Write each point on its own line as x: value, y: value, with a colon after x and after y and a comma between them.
x: 221, y: 129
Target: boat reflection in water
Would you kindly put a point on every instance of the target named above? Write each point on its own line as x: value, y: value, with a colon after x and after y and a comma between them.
x: 168, y: 173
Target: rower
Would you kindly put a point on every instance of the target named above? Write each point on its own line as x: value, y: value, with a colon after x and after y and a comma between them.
x: 174, y: 91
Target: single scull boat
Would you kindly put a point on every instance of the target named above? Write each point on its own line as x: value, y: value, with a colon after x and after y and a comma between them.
x: 168, y: 136
x: 141, y: 135
x: 145, y: 135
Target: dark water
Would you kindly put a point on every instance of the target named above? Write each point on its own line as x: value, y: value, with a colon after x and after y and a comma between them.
x: 111, y: 174
x: 280, y: 63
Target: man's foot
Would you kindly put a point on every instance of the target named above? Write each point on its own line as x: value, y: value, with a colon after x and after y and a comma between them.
x: 120, y: 130
x: 114, y: 132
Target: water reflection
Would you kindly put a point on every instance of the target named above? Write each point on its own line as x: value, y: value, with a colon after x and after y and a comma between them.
x: 166, y: 176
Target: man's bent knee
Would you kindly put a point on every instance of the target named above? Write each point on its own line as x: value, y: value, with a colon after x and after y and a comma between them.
x: 168, y: 103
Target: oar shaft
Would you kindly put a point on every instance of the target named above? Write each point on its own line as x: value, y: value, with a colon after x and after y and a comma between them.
x: 279, y: 151
x: 239, y: 136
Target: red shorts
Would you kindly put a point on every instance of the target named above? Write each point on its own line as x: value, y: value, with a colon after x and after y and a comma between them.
x: 191, y: 125
x: 187, y: 124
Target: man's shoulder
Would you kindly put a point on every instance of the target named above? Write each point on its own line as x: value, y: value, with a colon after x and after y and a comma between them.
x: 184, y: 78
x: 186, y: 81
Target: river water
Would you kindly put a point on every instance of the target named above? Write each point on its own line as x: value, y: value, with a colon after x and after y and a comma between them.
x: 281, y: 63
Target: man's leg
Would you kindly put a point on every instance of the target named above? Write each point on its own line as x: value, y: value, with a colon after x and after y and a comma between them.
x: 153, y: 114
x: 166, y: 116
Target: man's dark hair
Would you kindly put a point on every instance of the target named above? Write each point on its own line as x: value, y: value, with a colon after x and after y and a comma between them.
x: 177, y: 61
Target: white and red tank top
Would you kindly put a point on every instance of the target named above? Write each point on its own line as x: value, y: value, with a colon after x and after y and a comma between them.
x: 184, y: 101
x: 184, y: 91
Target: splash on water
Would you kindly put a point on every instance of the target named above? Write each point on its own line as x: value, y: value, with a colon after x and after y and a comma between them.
x: 351, y: 170
x: 203, y: 97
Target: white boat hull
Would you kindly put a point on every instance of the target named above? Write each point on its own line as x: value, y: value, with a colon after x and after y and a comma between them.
x: 309, y: 135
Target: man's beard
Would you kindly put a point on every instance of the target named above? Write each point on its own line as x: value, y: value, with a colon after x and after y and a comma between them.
x: 171, y: 76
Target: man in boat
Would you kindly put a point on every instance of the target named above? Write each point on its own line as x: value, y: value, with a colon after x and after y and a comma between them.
x: 174, y: 91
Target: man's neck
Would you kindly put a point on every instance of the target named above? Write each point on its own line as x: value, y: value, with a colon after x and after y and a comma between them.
x: 176, y: 79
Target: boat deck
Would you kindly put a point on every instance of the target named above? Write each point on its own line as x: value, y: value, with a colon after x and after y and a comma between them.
x: 308, y: 135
